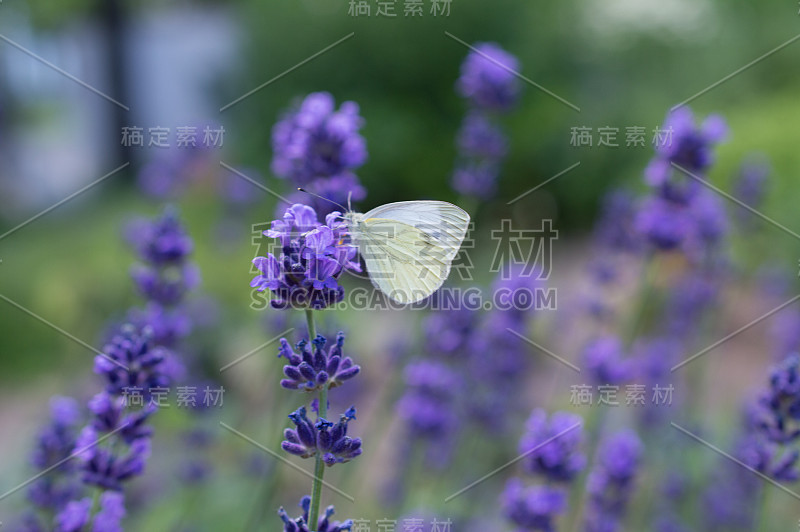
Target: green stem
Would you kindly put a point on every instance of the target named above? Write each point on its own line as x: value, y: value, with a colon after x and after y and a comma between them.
x: 319, y: 465
x: 312, y: 330
x: 644, y: 299
x: 762, y: 515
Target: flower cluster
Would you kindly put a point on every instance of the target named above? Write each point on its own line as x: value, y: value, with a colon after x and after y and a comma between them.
x: 489, y: 78
x: 774, y: 425
x: 325, y: 441
x: 164, y: 277
x: 533, y: 507
x: 324, y: 437
x: 113, y: 418
x: 77, y: 515
x: 611, y: 482
x: 312, y: 256
x: 489, y: 84
x: 552, y: 446
x: 54, y: 445
x: 681, y: 213
x: 115, y: 445
x: 131, y: 361
x: 429, y: 405
x: 551, y: 450
x: 318, y: 147
x: 604, y: 360
x: 750, y: 188
x: 309, y: 371
x: 325, y: 524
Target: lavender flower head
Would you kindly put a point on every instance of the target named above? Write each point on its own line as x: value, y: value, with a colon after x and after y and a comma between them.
x: 429, y: 405
x: 74, y: 516
x: 781, y: 402
x: 769, y: 458
x: 160, y: 242
x: 693, y: 224
x: 615, y: 229
x: 311, y: 370
x: 603, y: 358
x: 130, y: 361
x: 488, y: 78
x: 610, y: 484
x: 312, y: 256
x: 552, y: 446
x: 317, y: 140
x: 751, y: 183
x: 687, y: 146
x: 316, y: 143
x: 325, y: 524
x: 476, y: 178
x: 109, y: 468
x: 448, y: 332
x: 480, y: 137
x: 164, y: 277
x: 533, y: 508
x: 54, y: 445
x: 329, y: 439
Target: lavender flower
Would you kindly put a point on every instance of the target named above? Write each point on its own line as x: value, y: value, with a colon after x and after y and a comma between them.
x: 552, y: 446
x: 610, y: 484
x: 533, y: 508
x: 167, y: 327
x: 329, y: 439
x: 325, y: 524
x: 161, y: 242
x: 692, y: 295
x: 681, y: 213
x: 750, y: 188
x: 112, y: 510
x: 429, y: 406
x: 488, y: 78
x: 305, y: 273
x: 615, y: 229
x: 164, y: 278
x: 664, y: 224
x: 691, y: 225
x: 488, y: 82
x: 769, y: 458
x: 448, y: 333
x: 74, y: 516
x: 342, y: 189
x: 651, y: 364
x: 495, y: 379
x: 603, y: 359
x: 106, y: 469
x: 309, y: 371
x: 130, y: 363
x: 55, y: 444
x: 317, y: 142
x: 687, y: 146
x: 481, y: 138
x: 476, y: 179
x: 780, y: 421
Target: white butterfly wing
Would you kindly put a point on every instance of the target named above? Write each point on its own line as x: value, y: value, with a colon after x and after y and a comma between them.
x: 442, y: 220
x: 408, y: 246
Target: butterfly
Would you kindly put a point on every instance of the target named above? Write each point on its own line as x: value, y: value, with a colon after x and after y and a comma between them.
x: 408, y: 246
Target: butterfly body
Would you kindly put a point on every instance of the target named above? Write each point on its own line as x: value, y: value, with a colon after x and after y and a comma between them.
x: 408, y: 246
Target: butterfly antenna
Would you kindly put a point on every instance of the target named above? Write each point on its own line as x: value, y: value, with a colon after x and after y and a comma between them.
x: 322, y: 198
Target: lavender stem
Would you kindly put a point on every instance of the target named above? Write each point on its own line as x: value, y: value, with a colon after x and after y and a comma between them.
x: 319, y: 465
